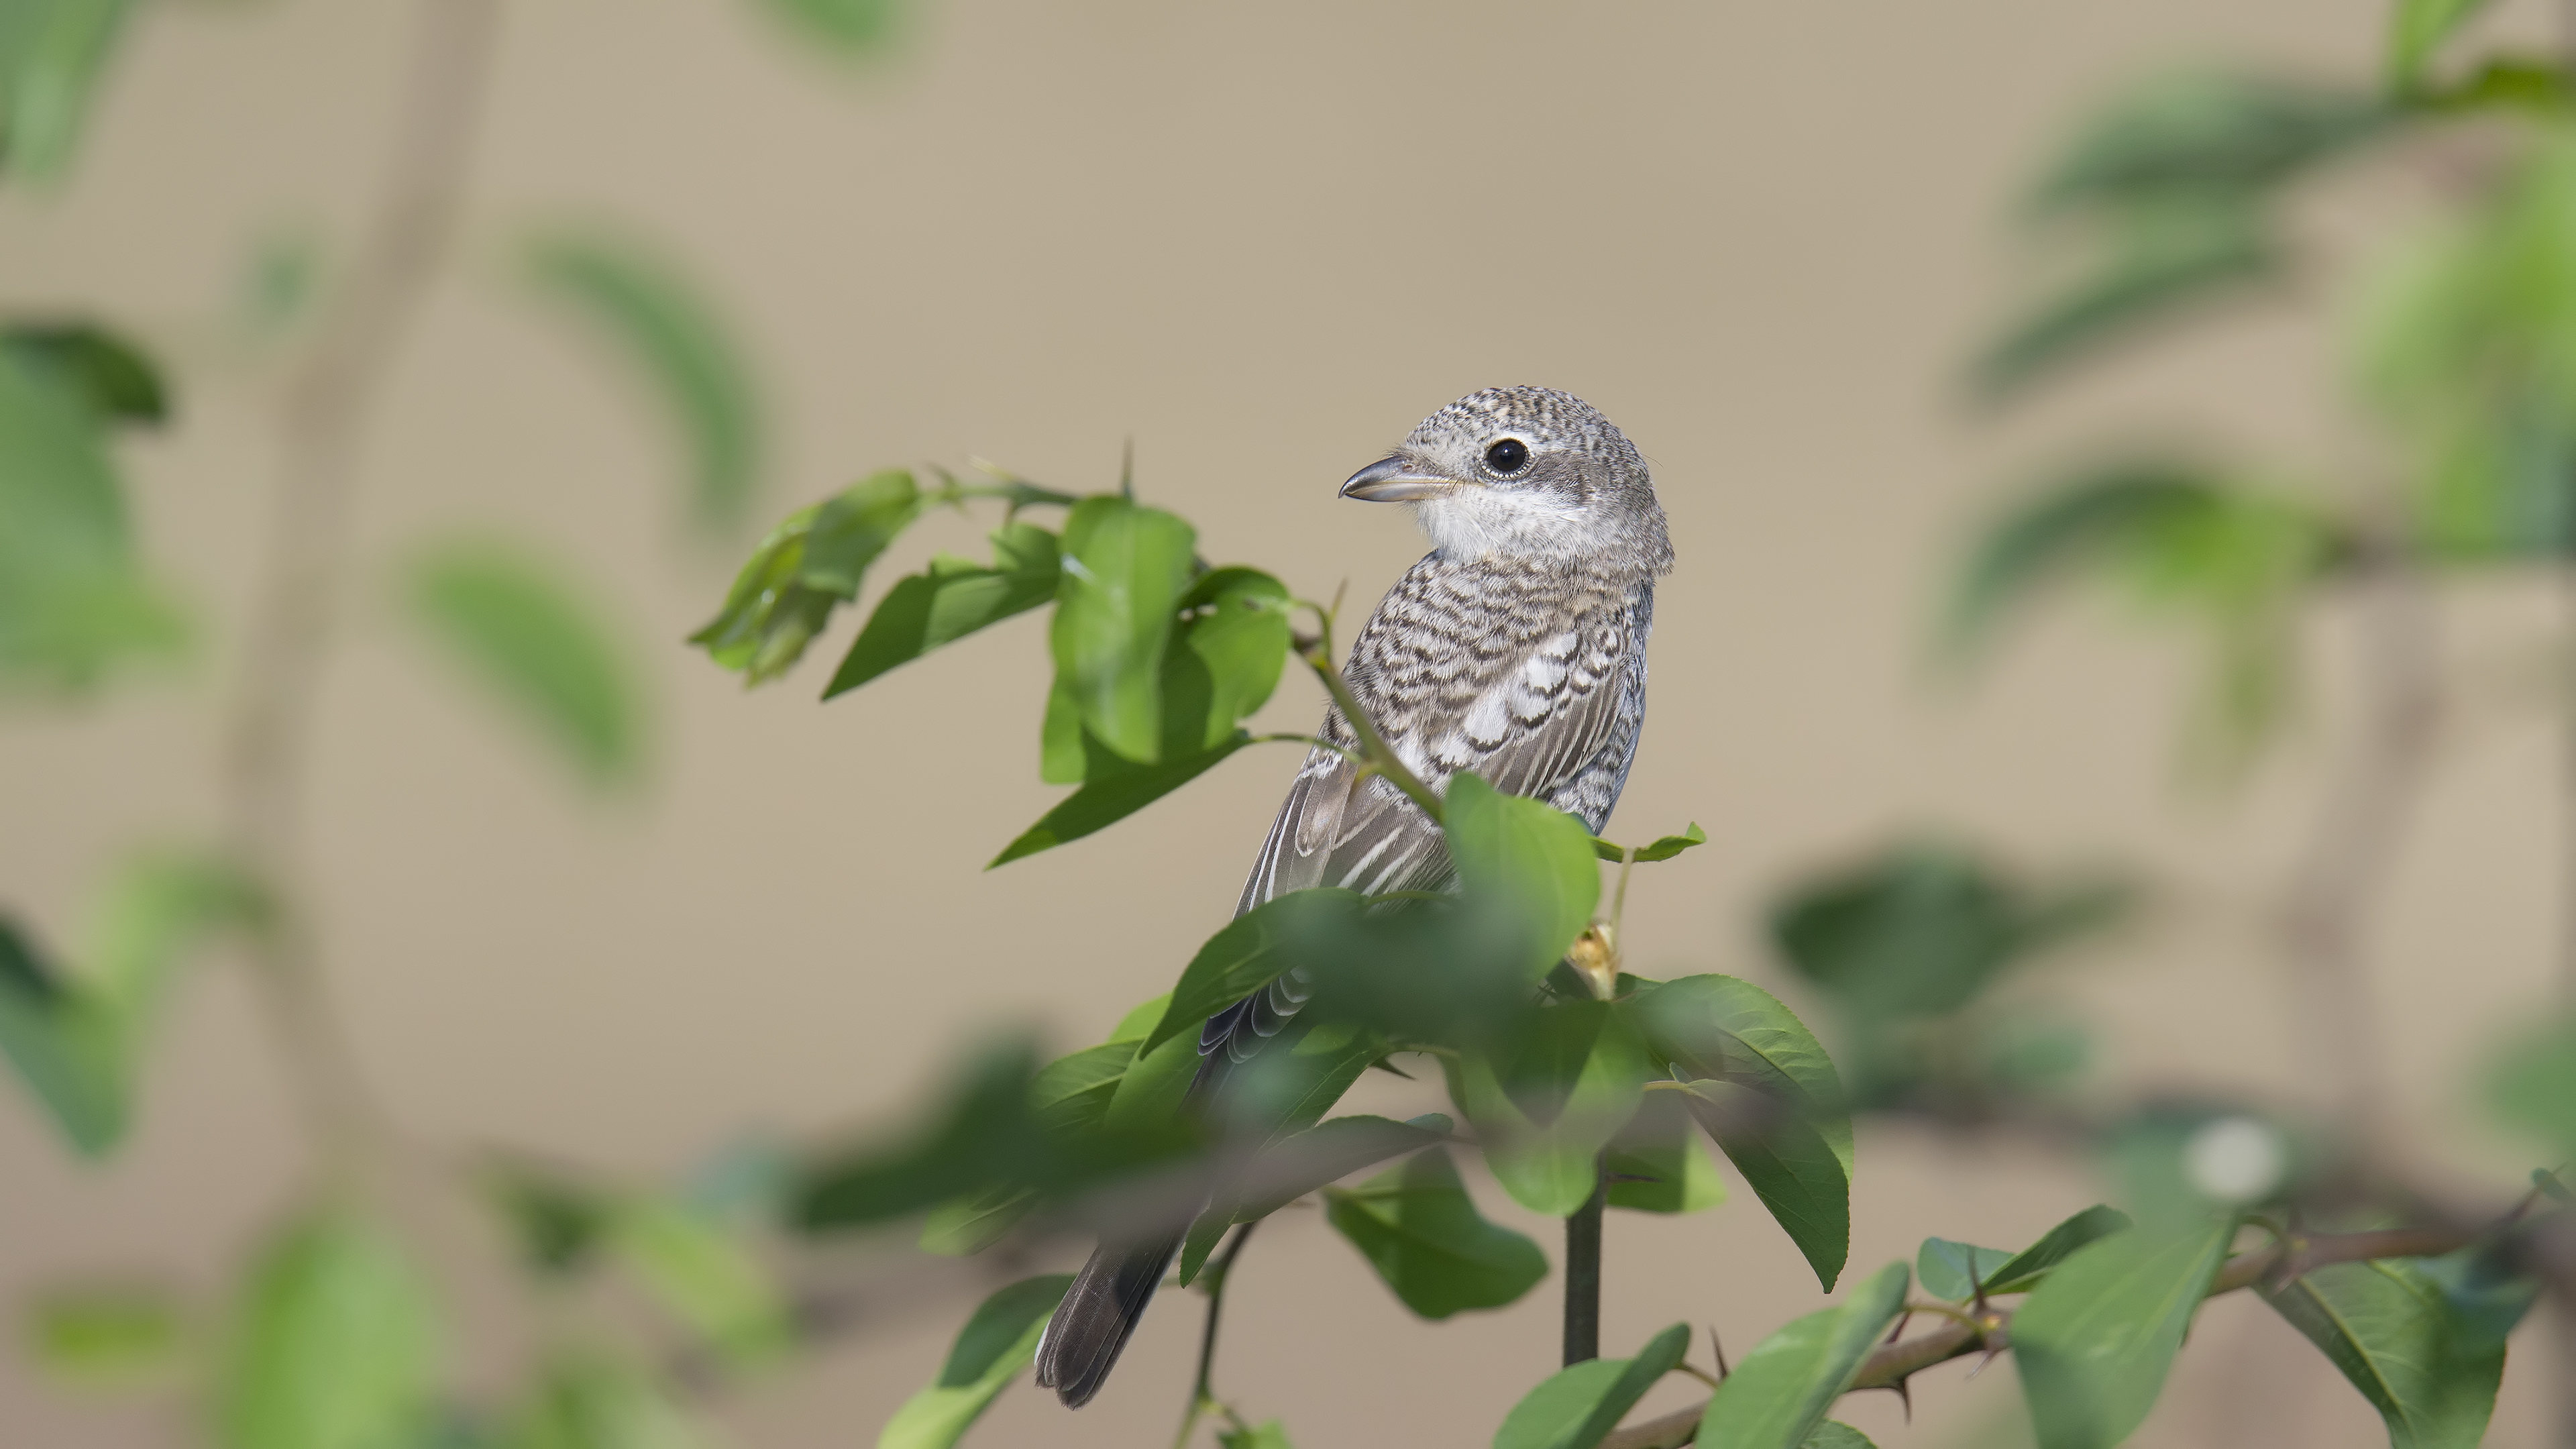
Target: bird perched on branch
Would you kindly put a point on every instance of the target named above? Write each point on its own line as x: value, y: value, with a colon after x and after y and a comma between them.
x: 1516, y: 649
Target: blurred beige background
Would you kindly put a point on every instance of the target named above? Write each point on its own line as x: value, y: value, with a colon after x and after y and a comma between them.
x: 1262, y: 242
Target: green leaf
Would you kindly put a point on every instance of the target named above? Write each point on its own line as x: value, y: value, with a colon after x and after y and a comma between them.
x: 2096, y: 1338
x: 968, y: 1225
x: 1664, y: 848
x: 158, y: 907
x: 52, y: 53
x: 665, y: 330
x: 1105, y: 801
x: 1419, y: 1229
x: 949, y: 601
x: 1073, y: 1091
x: 1658, y: 1164
x: 1126, y: 568
x: 2208, y: 138
x: 1779, y: 1393
x: 996, y: 1344
x: 2416, y: 31
x: 1297, y: 1163
x: 111, y: 1337
x: 556, y: 1220
x: 1232, y: 644
x: 62, y: 1046
x: 520, y: 628
x: 588, y: 1400
x: 1243, y: 958
x: 2395, y: 1334
x: 334, y: 1347
x: 1548, y: 1101
x: 1835, y: 1434
x: 2027, y: 1267
x: 2532, y: 1086
x: 847, y: 28
x: 1764, y: 1089
x: 108, y: 372
x: 1523, y: 858
x: 73, y: 600
x: 703, y: 1277
x: 1155, y: 1084
x: 2163, y: 264
x: 1576, y: 1407
x: 807, y: 566
x: 1271, y: 1435
x: 1953, y: 1270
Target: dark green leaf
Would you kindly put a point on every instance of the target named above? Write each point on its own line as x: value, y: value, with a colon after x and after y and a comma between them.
x: 996, y: 1344
x: 1112, y: 797
x: 334, y: 1345
x: 121, y: 1336
x: 1419, y: 1229
x: 2394, y: 1333
x: 1126, y: 569
x: 52, y: 53
x: 670, y: 335
x: 104, y: 370
x: 807, y: 566
x: 1525, y: 859
x: 1576, y: 1407
x: 2416, y: 31
x: 526, y: 634
x: 1789, y: 1162
x: 1659, y: 1165
x: 1953, y: 1270
x: 2163, y: 263
x: 1781, y: 1392
x: 849, y: 28
x: 2210, y: 138
x: 1241, y: 959
x: 949, y: 601
x: 2097, y: 1336
x: 2028, y: 1266
x: 1664, y: 848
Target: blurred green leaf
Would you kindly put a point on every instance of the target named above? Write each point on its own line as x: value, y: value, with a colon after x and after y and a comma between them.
x: 953, y: 598
x: 1300, y: 1162
x: 62, y: 1048
x: 1953, y: 1270
x: 808, y: 565
x: 2160, y: 264
x: 2207, y: 138
x: 2025, y: 1268
x: 112, y: 1337
x: 849, y: 28
x: 2416, y: 31
x: 966, y: 1226
x: 73, y: 600
x: 1242, y: 959
x: 52, y: 53
x: 1525, y: 859
x: 1664, y: 848
x: 335, y: 1343
x: 2532, y: 1086
x: 668, y: 332
x: 587, y: 1400
x: 556, y: 1220
x: 1154, y: 1084
x: 2508, y: 84
x: 108, y: 372
x: 2388, y: 1326
x: 1763, y: 1087
x: 1419, y: 1229
x: 514, y: 621
x: 2097, y: 1336
x: 1271, y: 1435
x: 704, y: 1277
x: 1922, y: 929
x: 1658, y: 1164
x: 1126, y: 569
x: 157, y: 907
x: 997, y: 1343
x: 1074, y: 1090
x: 1549, y: 1097
x: 1576, y: 1407
x: 1780, y: 1393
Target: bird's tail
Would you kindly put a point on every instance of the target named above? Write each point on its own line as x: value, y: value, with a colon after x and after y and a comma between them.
x: 1099, y: 1312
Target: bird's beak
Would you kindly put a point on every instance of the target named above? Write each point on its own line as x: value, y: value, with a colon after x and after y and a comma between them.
x: 1393, y: 480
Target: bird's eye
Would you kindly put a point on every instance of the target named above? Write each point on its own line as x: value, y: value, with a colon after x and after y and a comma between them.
x: 1507, y: 456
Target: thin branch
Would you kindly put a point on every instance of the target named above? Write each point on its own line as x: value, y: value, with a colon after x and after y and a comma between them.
x: 1202, y: 1391
x: 1893, y: 1364
x: 1377, y: 758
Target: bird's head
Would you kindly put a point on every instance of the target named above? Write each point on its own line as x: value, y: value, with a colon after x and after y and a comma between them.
x: 1524, y: 471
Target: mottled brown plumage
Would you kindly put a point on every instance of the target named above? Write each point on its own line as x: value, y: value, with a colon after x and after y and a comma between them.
x: 1515, y: 649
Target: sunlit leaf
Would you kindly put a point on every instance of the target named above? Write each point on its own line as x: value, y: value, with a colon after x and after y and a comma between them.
x: 1241, y: 959
x: 950, y: 600
x: 110, y: 1337
x: 2416, y: 31
x: 994, y: 1347
x: 2096, y: 1338
x: 334, y: 1344
x: 1578, y: 1405
x: 52, y: 53
x: 1664, y: 847
x: 2025, y: 1268
x: 2394, y: 1333
x: 526, y: 634
x: 1523, y: 858
x: 1419, y: 1229
x: 108, y: 372
x: 669, y: 334
x: 807, y: 566
x: 1780, y: 1393
x: 1234, y: 631
x: 1126, y: 569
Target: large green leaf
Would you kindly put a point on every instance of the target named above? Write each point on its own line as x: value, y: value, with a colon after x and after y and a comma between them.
x: 52, y: 53
x: 1763, y: 1087
x: 1659, y: 1164
x: 1226, y: 659
x: 2096, y: 1338
x: 2397, y: 1336
x: 1550, y: 1097
x: 996, y: 1344
x: 1419, y: 1229
x: 1834, y: 1434
x: 1126, y: 569
x: 2025, y: 1268
x: 334, y: 1345
x: 671, y: 336
x: 110, y: 373
x: 953, y: 598
x: 807, y: 566
x: 1580, y: 1404
x: 2416, y: 31
x: 1526, y: 859
x: 1242, y: 959
x: 1780, y: 1393
x: 526, y: 634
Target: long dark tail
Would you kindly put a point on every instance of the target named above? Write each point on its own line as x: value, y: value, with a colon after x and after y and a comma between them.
x: 1098, y: 1314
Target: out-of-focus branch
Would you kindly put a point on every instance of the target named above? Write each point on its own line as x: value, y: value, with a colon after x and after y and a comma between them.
x: 1892, y: 1364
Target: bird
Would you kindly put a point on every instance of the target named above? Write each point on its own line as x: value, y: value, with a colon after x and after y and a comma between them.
x: 1516, y: 649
